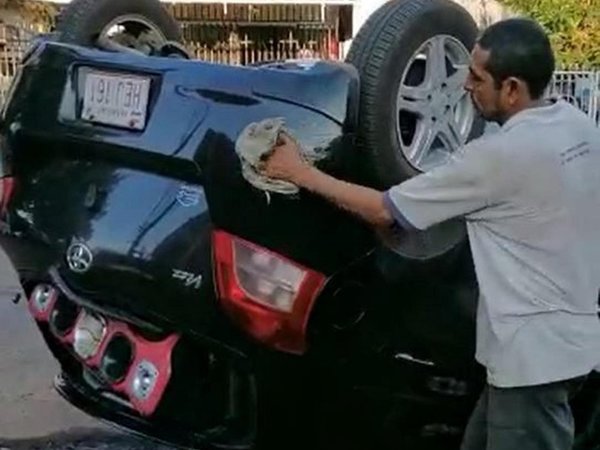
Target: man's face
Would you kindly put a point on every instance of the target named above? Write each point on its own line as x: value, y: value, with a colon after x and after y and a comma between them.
x: 486, y: 96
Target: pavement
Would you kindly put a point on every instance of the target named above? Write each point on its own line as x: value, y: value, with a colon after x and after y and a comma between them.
x: 32, y: 414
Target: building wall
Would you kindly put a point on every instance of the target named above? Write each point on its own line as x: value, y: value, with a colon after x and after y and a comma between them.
x: 485, y: 12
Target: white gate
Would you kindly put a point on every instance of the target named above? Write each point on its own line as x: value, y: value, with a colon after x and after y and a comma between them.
x: 580, y: 88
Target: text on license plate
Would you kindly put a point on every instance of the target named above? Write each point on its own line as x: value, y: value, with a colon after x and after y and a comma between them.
x: 119, y: 100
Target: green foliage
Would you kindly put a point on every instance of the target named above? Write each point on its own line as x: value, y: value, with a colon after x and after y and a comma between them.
x: 574, y: 26
x: 35, y: 12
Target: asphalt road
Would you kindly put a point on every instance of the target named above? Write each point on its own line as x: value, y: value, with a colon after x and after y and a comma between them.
x: 32, y: 415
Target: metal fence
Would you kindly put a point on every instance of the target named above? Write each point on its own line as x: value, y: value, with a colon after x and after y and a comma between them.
x: 13, y: 43
x: 580, y: 88
x: 230, y: 46
x: 249, y: 33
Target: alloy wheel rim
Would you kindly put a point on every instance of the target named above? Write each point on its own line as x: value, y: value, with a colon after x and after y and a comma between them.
x: 434, y: 113
x: 136, y: 32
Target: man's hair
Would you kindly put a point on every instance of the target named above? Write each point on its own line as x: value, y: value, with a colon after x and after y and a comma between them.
x: 519, y: 48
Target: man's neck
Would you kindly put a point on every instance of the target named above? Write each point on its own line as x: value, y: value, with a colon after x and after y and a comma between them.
x: 524, y: 107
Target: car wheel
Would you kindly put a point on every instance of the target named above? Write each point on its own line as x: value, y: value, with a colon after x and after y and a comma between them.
x: 143, y: 25
x: 413, y: 57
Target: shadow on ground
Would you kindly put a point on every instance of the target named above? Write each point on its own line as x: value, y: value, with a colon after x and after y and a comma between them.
x: 82, y: 440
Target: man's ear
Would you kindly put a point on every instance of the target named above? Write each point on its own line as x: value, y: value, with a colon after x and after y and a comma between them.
x: 516, y: 86
x: 512, y: 90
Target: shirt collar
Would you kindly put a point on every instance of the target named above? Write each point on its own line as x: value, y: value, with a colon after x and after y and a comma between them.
x: 537, y: 111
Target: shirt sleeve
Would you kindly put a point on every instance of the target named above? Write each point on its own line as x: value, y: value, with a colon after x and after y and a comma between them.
x: 466, y: 184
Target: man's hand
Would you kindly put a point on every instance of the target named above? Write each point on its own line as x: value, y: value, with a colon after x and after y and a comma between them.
x: 285, y: 162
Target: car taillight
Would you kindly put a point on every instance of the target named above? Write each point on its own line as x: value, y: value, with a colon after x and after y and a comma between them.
x: 7, y: 184
x: 267, y: 295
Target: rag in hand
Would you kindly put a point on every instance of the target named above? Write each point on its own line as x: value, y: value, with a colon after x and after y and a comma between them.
x: 255, y: 144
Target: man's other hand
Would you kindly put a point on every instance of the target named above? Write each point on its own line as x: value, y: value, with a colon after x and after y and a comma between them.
x: 285, y: 162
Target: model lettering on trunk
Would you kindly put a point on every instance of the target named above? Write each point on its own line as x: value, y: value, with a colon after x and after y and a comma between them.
x: 189, y: 279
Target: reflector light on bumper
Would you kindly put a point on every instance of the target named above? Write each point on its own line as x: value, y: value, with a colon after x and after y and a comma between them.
x: 42, y: 300
x: 144, y: 379
x: 131, y: 365
x: 270, y: 297
x: 90, y: 330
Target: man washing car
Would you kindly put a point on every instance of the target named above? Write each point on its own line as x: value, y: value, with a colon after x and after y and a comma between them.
x: 531, y: 197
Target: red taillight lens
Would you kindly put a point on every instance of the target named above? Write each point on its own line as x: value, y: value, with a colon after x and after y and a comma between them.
x: 267, y: 295
x: 7, y: 184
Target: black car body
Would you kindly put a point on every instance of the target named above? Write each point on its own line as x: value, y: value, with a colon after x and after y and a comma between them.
x: 258, y: 314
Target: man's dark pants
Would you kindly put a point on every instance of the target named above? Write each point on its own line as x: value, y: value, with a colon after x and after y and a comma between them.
x: 527, y: 418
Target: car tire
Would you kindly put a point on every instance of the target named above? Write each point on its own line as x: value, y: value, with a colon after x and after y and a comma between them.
x: 387, y: 52
x: 381, y: 52
x: 83, y: 21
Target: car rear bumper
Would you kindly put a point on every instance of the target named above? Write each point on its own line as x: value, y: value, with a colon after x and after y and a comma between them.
x: 202, y: 397
x: 80, y: 395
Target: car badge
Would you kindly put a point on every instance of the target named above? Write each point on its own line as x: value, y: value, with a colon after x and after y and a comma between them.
x: 189, y: 196
x: 79, y: 257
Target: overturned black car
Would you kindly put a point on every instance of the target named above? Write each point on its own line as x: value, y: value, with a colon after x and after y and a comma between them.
x: 186, y: 305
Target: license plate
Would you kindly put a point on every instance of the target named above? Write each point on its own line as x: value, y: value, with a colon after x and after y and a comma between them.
x: 118, y: 100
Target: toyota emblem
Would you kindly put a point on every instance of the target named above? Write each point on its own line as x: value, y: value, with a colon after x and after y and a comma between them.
x: 79, y: 258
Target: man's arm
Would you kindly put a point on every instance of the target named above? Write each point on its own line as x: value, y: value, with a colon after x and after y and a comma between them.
x: 449, y: 191
x: 286, y: 163
x: 365, y: 202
